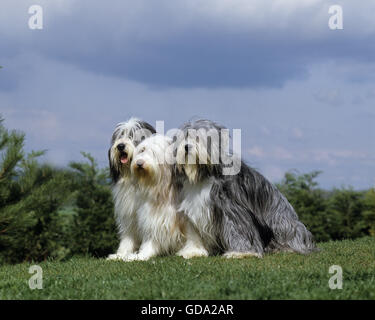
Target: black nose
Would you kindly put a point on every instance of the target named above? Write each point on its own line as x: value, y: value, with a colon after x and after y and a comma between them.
x: 188, y: 147
x: 121, y: 147
x: 140, y: 163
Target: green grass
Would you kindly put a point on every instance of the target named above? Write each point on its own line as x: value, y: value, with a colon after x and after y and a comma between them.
x: 277, y: 276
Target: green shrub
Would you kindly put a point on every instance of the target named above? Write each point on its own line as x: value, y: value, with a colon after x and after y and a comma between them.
x: 330, y: 215
x: 369, y: 212
x: 94, y: 229
x: 30, y: 197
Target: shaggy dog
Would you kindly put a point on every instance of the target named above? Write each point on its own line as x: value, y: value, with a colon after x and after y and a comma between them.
x: 238, y: 215
x: 161, y: 230
x: 127, y: 198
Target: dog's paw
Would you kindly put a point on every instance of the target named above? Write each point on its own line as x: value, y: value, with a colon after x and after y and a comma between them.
x: 136, y: 257
x: 188, y: 253
x: 130, y: 257
x: 115, y: 257
x: 240, y: 255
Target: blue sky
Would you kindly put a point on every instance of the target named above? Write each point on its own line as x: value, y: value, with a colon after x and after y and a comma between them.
x: 302, y: 94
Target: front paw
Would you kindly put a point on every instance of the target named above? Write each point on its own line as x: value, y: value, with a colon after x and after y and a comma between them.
x: 188, y: 253
x: 136, y: 257
x: 115, y: 257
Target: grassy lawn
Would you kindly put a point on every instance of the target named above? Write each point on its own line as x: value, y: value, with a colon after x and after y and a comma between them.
x: 277, y: 276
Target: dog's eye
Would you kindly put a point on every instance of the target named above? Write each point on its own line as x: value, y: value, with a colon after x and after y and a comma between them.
x: 142, y: 150
x: 143, y: 137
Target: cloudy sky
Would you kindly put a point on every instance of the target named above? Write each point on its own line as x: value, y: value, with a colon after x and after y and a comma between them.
x: 302, y: 94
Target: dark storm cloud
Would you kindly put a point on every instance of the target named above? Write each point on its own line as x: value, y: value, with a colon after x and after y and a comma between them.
x: 210, y: 59
x: 172, y: 44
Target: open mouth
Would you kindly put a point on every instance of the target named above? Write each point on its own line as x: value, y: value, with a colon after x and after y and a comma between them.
x: 124, y: 157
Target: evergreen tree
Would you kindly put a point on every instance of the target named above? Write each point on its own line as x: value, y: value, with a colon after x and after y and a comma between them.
x: 13, y: 222
x: 30, y: 196
x: 311, y: 204
x: 369, y: 211
x: 348, y: 206
x: 94, y: 230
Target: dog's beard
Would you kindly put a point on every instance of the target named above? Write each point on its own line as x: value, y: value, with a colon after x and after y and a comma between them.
x: 146, y: 176
x: 155, y: 182
x: 191, y: 172
x: 121, y: 161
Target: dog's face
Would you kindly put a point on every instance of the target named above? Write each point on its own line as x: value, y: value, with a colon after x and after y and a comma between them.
x: 198, y: 149
x: 150, y: 161
x: 126, y: 137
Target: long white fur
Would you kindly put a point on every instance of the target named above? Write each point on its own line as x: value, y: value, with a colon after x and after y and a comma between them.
x: 127, y: 198
x: 195, y: 204
x: 162, y: 229
x: 146, y: 208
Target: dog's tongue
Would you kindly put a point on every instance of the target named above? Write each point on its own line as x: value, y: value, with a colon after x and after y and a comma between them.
x: 124, y: 159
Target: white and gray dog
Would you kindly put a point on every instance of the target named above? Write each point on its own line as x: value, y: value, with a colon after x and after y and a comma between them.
x: 237, y: 215
x: 145, y: 198
x: 127, y: 197
x: 161, y: 228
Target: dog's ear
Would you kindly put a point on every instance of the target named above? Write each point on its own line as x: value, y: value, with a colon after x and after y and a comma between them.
x: 114, y: 172
x: 143, y: 132
x: 116, y: 134
x: 147, y: 126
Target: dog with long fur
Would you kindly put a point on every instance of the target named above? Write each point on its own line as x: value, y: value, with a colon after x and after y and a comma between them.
x: 127, y: 198
x: 161, y: 229
x: 235, y: 215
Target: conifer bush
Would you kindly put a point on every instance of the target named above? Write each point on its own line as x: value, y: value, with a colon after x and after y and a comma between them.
x: 94, y: 230
x: 30, y: 196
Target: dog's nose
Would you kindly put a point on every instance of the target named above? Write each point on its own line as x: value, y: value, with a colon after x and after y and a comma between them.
x: 188, y: 147
x: 121, y: 147
x: 140, y: 163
